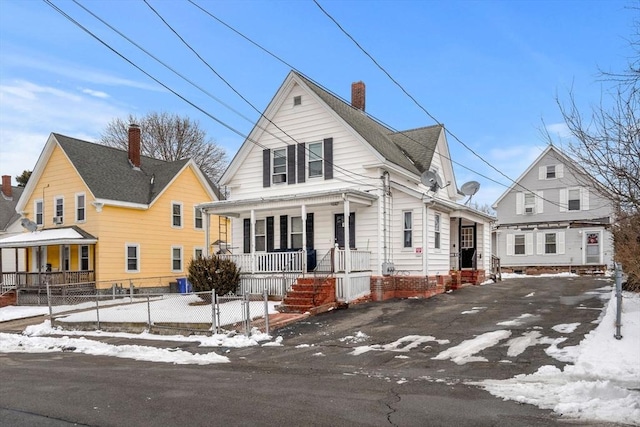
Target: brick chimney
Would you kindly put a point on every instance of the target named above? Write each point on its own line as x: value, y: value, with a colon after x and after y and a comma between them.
x: 134, y: 145
x: 357, y: 95
x: 6, y: 186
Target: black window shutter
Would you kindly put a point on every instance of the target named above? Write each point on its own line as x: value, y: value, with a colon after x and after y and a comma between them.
x: 284, y: 221
x: 309, y: 230
x: 266, y: 167
x: 246, y: 226
x: 291, y: 164
x: 352, y: 230
x: 328, y: 158
x: 270, y: 234
x: 302, y: 162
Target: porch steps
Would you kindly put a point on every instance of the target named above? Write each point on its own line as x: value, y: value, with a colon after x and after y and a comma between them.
x: 307, y: 296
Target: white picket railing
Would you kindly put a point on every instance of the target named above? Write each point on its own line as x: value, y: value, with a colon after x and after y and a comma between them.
x: 268, y: 262
x: 360, y: 260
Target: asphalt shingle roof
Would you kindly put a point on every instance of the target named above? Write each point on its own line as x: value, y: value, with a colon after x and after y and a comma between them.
x: 412, y: 150
x: 8, y: 214
x: 109, y: 175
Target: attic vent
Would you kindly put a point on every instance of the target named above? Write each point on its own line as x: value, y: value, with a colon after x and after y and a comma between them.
x: 297, y: 100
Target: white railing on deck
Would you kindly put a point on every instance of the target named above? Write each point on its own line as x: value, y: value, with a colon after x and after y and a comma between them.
x: 359, y: 286
x: 360, y: 260
x: 275, y: 284
x: 268, y: 262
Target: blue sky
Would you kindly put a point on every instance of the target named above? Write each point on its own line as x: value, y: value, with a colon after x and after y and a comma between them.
x: 489, y: 70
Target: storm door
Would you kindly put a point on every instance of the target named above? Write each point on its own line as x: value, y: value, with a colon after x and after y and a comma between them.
x: 467, y: 246
x: 592, y: 247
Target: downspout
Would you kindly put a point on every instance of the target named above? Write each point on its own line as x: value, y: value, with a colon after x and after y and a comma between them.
x: 425, y: 238
x: 385, y: 194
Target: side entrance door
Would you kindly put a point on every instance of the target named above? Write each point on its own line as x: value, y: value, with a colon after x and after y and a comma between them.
x: 593, y: 247
x: 467, y: 246
x: 339, y: 230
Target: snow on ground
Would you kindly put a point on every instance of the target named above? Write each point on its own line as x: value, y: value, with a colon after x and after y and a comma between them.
x: 604, y: 380
x: 13, y: 312
x: 464, y: 352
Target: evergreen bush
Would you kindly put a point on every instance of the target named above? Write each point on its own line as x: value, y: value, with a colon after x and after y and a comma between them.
x: 213, y: 272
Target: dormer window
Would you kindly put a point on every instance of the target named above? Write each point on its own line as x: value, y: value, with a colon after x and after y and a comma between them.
x: 279, y: 166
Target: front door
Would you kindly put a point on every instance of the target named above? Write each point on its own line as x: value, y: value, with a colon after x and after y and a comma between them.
x: 467, y: 246
x: 592, y: 247
x: 339, y: 230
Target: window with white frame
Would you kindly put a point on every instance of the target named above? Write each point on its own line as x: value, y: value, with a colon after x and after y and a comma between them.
x: 261, y: 235
x: 80, y: 207
x: 519, y: 244
x: 58, y: 204
x: 84, y: 257
x: 176, y: 214
x: 550, y: 244
x: 132, y: 256
x: 38, y: 209
x: 407, y: 229
x: 315, y: 159
x: 551, y: 172
x: 296, y: 232
x: 279, y: 162
x: 197, y: 218
x: 529, y: 203
x: 176, y: 258
x: 436, y: 230
x: 573, y: 199
x: 198, y: 253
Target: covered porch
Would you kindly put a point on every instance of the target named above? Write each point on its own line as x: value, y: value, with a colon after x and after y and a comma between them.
x: 61, y: 259
x: 470, y: 246
x: 277, y: 240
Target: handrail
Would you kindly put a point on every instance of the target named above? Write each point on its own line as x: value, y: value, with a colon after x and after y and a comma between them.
x: 324, y: 270
x: 495, y: 267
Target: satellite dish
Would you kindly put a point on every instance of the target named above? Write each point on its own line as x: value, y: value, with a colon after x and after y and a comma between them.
x: 28, y: 224
x: 431, y: 180
x: 469, y: 189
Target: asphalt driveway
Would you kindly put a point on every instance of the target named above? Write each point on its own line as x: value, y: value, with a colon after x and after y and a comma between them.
x: 372, y: 364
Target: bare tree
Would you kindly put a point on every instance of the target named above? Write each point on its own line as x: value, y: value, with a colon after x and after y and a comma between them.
x: 606, y: 143
x: 169, y: 137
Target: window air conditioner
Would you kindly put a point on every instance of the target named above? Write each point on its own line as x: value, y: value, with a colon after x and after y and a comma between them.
x: 57, y: 220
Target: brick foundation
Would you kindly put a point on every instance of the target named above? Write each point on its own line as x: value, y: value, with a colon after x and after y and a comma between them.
x: 389, y: 287
x: 460, y: 278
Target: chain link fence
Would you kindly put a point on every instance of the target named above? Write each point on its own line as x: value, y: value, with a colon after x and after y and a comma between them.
x: 125, y: 310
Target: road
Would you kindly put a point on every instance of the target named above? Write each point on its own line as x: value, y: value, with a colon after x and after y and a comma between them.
x: 370, y: 365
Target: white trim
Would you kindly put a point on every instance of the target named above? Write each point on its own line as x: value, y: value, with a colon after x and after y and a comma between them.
x: 181, y: 259
x: 181, y: 215
x: 308, y: 160
x: 84, y: 207
x: 116, y: 203
x: 195, y: 249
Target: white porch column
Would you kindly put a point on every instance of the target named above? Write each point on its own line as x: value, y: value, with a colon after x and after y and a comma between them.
x: 207, y: 233
x: 347, y: 249
x: 303, y: 214
x: 252, y: 243
x: 425, y: 240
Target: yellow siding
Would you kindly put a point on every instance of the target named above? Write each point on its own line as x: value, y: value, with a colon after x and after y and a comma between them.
x: 116, y: 226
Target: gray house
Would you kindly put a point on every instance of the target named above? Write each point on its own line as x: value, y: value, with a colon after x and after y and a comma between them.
x: 553, y: 219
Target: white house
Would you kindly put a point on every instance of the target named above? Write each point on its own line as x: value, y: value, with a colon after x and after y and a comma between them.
x: 314, y: 160
x: 11, y: 260
x: 552, y: 219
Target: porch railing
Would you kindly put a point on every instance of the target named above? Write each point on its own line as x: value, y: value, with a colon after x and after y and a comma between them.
x: 28, y: 280
x: 268, y: 262
x: 360, y: 260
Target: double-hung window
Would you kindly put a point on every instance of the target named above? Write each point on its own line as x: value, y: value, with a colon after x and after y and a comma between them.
x: 261, y: 235
x: 176, y: 258
x: 296, y: 232
x: 59, y: 209
x: 279, y: 165
x: 407, y: 221
x: 84, y: 257
x: 197, y: 218
x: 38, y: 209
x: 529, y: 203
x: 315, y: 159
x: 80, y: 207
x: 551, y: 172
x: 176, y: 214
x: 132, y: 254
x: 436, y: 231
x: 573, y: 199
x: 550, y: 243
x: 519, y: 244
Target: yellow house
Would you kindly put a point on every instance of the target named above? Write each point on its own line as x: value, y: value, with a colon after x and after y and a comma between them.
x: 99, y: 217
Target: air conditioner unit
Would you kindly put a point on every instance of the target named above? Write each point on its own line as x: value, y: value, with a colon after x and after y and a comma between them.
x: 528, y: 210
x: 57, y: 220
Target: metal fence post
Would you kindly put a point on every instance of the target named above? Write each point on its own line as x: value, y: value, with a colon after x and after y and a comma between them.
x: 149, y: 312
x: 618, y: 301
x: 48, y: 302
x: 113, y: 291
x: 247, y: 319
x: 214, y: 327
x: 97, y: 312
x: 266, y: 311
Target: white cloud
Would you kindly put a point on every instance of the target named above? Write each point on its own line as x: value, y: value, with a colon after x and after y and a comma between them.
x: 96, y: 93
x: 560, y: 130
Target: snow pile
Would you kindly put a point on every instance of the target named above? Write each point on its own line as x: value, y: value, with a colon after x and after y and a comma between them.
x: 464, y: 352
x: 524, y: 276
x: 603, y: 382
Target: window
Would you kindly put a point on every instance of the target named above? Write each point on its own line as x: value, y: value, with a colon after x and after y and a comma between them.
x: 197, y: 218
x: 176, y: 258
x: 407, y: 227
x: 315, y: 159
x: 132, y: 258
x: 551, y: 171
x: 38, y: 212
x: 279, y: 165
x: 296, y: 232
x: 436, y: 230
x: 176, y: 214
x: 574, y: 199
x: 80, y: 207
x: 261, y: 235
x: 198, y: 253
x: 59, y: 208
x: 297, y: 100
x: 519, y: 244
x: 84, y: 258
x: 529, y: 203
x: 550, y: 243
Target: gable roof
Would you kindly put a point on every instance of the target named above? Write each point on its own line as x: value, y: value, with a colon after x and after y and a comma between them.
x: 110, y: 176
x: 412, y: 149
x: 8, y: 214
x: 566, y: 160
